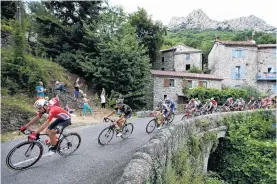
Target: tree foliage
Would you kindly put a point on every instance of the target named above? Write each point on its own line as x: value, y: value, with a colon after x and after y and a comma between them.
x: 149, y: 33
x: 248, y: 153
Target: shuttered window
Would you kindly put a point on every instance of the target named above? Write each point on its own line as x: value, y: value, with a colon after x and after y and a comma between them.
x: 166, y: 82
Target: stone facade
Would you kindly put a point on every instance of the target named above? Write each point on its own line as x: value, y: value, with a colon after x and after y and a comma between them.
x: 177, y: 58
x: 241, y: 70
x: 176, y: 92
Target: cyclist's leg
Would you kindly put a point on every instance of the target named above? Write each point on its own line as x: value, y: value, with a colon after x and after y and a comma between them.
x: 120, y: 121
x: 52, y: 132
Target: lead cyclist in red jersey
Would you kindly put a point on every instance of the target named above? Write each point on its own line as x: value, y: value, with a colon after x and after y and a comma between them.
x: 63, y: 119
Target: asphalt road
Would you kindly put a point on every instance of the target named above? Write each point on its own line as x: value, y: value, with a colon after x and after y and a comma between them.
x: 90, y: 164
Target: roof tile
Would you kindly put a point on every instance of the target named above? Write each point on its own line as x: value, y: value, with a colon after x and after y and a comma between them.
x: 183, y: 74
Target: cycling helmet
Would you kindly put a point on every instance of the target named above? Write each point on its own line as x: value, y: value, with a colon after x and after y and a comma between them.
x: 119, y: 101
x: 40, y: 103
x: 212, y: 98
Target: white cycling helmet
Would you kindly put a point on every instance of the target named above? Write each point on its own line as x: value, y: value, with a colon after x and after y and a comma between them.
x: 40, y: 103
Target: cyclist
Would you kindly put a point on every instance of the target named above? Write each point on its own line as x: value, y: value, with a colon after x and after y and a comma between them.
x: 229, y: 102
x: 63, y: 119
x: 266, y: 102
x: 163, y: 110
x: 170, y: 104
x: 198, y: 102
x: 251, y: 103
x: 193, y: 104
x: 126, y: 114
x: 213, y: 105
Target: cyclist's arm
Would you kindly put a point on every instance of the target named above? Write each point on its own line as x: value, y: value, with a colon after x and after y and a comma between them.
x: 35, y: 119
x: 43, y: 126
x: 111, y: 113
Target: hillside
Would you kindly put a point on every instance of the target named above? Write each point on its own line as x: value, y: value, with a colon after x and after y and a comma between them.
x: 198, y: 19
x: 18, y: 96
x: 203, y: 40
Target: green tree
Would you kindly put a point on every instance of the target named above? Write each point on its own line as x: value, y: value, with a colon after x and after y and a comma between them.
x: 149, y: 33
x: 122, y: 65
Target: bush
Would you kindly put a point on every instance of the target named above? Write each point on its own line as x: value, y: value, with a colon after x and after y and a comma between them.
x: 248, y: 153
x: 220, y: 95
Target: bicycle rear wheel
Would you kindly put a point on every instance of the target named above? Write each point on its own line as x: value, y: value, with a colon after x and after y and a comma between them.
x: 127, y: 130
x: 107, y: 134
x: 68, y: 144
x: 24, y: 155
x: 151, y: 126
x: 171, y: 118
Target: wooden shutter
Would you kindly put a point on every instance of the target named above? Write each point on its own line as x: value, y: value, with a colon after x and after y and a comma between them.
x: 242, y: 72
x: 233, y: 72
x: 200, y: 83
x: 166, y: 82
x: 185, y: 83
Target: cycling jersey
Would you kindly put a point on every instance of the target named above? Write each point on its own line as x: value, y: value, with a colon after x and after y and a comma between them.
x: 126, y: 109
x: 214, y: 102
x: 58, y: 112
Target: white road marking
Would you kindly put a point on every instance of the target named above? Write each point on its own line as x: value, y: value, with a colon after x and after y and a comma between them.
x: 47, y: 154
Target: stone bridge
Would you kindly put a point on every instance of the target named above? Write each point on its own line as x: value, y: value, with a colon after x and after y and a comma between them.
x: 197, y: 136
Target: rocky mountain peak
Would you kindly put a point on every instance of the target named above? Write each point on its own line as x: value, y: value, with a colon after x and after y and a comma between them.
x: 198, y: 19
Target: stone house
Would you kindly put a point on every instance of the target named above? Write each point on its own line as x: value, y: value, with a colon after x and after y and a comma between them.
x: 242, y: 63
x: 171, y: 83
x: 178, y: 58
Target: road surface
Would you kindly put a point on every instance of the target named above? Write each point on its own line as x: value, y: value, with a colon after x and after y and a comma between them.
x: 90, y: 164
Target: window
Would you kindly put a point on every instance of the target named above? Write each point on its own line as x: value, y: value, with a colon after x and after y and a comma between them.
x: 204, y: 84
x: 163, y: 59
x: 269, y: 69
x: 162, y: 68
x: 171, y: 84
x: 275, y: 52
x: 238, y: 53
x: 187, y: 67
x: 165, y: 96
x: 187, y: 56
x: 237, y: 86
x: 237, y: 72
x: 189, y: 83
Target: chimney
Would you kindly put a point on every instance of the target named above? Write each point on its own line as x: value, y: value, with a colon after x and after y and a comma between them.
x: 252, y: 41
x: 217, y: 38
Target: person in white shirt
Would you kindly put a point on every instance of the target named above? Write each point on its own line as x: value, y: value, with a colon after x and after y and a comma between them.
x: 103, y: 98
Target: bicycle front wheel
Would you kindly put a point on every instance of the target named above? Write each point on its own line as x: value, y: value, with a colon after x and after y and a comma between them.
x: 68, y: 144
x: 151, y: 126
x: 127, y: 130
x: 105, y: 136
x: 24, y: 155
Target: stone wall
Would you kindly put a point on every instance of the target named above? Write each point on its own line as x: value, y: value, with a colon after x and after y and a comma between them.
x: 159, y: 90
x: 149, y: 162
x: 220, y: 62
x: 180, y: 61
x: 168, y: 63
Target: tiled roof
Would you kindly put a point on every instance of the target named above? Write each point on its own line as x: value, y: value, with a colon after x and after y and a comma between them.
x: 267, y: 46
x: 244, y: 43
x: 183, y: 47
x: 183, y: 74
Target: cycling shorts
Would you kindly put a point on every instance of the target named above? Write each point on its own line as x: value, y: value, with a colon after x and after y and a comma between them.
x: 60, y: 122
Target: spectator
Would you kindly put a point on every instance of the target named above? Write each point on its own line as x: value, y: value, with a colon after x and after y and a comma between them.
x: 86, y: 106
x: 103, y: 98
x: 40, y: 90
x: 77, y: 88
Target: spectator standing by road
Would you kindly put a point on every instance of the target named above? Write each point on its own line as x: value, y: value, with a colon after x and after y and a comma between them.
x: 103, y: 98
x: 40, y: 90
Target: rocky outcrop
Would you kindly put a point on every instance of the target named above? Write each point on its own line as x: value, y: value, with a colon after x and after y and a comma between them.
x: 13, y: 117
x: 197, y: 19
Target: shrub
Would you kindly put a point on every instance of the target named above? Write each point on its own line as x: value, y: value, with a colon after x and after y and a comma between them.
x: 220, y: 95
